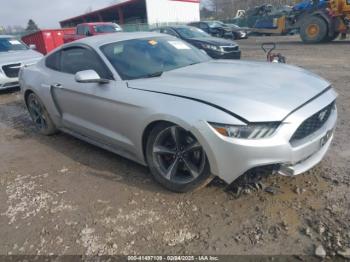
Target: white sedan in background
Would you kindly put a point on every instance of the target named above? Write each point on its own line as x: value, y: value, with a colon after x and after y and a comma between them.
x: 13, y: 55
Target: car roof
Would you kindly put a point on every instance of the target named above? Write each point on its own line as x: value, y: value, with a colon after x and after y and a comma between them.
x: 177, y: 26
x: 97, y: 23
x: 212, y: 21
x: 97, y: 41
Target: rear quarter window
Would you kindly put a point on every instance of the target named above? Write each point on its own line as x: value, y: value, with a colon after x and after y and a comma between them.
x: 53, y: 61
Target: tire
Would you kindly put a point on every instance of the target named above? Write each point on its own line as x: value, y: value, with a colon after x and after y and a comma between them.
x: 313, y: 30
x: 40, y: 116
x: 171, y: 165
x: 332, y: 38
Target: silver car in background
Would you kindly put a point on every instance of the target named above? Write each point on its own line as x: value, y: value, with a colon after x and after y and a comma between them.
x: 163, y: 103
x: 13, y: 55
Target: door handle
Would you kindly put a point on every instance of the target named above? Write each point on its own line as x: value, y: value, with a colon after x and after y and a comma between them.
x: 57, y: 85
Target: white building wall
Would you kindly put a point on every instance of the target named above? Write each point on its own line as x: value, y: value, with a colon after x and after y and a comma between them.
x: 172, y: 11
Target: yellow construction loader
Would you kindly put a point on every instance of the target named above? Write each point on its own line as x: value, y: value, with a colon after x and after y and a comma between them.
x: 316, y: 20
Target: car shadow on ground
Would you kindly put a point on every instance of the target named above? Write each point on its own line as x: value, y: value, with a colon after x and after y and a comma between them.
x: 9, y: 91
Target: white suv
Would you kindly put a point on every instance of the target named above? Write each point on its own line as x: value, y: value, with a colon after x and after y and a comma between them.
x: 14, y: 54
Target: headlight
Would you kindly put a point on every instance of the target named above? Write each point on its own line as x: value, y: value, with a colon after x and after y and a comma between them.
x: 250, y: 131
x: 212, y: 47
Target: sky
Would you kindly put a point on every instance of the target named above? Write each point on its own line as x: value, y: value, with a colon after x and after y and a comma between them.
x: 46, y: 13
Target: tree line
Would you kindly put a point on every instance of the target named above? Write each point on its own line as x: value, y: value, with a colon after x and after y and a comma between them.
x: 17, y: 29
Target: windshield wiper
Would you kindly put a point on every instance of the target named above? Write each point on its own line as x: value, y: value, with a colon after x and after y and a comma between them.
x: 156, y: 74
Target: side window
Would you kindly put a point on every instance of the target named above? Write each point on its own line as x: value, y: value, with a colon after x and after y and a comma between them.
x: 86, y: 31
x: 203, y: 26
x: 53, y: 61
x: 77, y: 59
x: 80, y: 30
x: 170, y: 32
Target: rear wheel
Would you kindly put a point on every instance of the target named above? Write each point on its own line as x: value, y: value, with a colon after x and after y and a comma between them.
x: 40, y: 116
x: 314, y: 30
x: 176, y: 159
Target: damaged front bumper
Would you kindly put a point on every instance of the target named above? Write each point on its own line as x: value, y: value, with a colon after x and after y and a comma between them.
x: 231, y: 157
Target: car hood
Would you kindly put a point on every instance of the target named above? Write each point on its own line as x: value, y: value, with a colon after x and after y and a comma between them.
x: 255, y: 91
x: 22, y: 56
x: 213, y: 41
x: 226, y: 28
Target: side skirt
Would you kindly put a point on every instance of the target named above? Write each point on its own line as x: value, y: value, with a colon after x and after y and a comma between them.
x: 109, y: 148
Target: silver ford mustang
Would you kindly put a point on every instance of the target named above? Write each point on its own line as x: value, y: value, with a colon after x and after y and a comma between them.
x: 163, y: 103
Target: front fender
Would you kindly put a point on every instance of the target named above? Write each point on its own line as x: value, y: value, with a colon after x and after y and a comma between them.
x: 192, y: 116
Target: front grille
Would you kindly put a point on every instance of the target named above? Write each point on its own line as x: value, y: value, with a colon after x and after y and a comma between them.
x: 11, y: 84
x: 230, y: 48
x: 12, y: 70
x: 313, y: 123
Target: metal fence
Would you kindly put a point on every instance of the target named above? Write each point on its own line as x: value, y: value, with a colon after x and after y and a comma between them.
x: 146, y: 27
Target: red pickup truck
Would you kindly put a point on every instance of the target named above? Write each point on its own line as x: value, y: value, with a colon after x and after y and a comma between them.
x: 91, y: 29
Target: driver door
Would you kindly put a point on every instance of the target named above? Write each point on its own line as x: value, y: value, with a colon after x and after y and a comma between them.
x: 85, y: 108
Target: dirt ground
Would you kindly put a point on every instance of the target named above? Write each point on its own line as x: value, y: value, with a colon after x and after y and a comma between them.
x: 59, y: 195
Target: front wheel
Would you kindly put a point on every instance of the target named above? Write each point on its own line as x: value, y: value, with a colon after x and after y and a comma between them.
x: 176, y: 159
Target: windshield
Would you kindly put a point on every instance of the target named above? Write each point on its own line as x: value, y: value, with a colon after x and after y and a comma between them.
x: 150, y: 57
x: 107, y: 28
x: 234, y: 26
x: 191, y: 32
x: 11, y: 44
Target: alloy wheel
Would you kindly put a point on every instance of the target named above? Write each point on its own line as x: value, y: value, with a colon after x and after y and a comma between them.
x: 37, y: 113
x: 178, y: 156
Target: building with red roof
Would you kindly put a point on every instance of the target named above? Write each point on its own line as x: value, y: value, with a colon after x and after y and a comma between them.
x: 141, y: 12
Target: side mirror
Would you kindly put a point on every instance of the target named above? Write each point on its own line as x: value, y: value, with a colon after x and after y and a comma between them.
x: 88, y: 33
x: 32, y: 47
x: 89, y: 76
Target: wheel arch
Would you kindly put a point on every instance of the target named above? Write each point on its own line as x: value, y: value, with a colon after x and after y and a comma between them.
x: 146, y: 133
x: 320, y: 14
x: 152, y: 124
x: 207, y: 149
x: 26, y: 95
